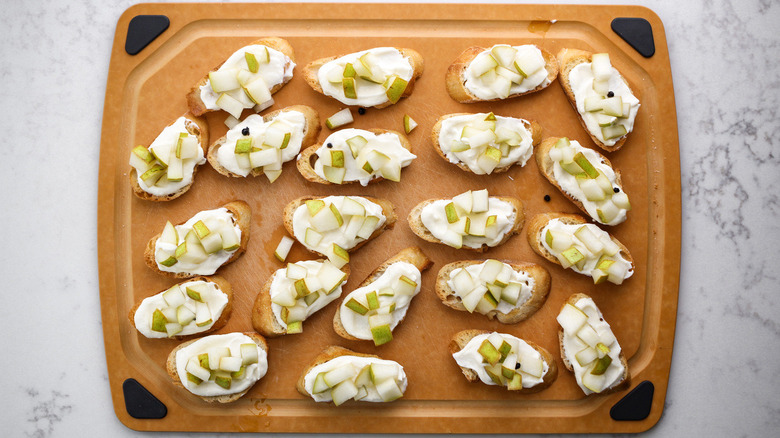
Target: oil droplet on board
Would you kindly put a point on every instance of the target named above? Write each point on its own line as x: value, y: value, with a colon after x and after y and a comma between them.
x: 539, y: 27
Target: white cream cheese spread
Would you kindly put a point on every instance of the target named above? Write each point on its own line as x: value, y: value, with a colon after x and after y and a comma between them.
x: 211, y: 297
x: 215, y: 220
x: 277, y: 70
x: 486, y: 86
x: 233, y: 341
x: 521, y: 278
x: 469, y: 357
x: 434, y: 218
x: 387, y: 147
x: 511, y: 132
x: 283, y: 284
x: 326, y: 238
x: 354, y: 364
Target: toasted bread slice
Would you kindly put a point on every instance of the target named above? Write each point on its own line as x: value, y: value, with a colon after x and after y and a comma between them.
x: 170, y: 366
x: 412, y: 255
x: 330, y: 352
x: 310, y: 132
x: 222, y: 285
x: 538, y: 222
x: 418, y: 228
x: 566, y: 357
x: 534, y: 128
x: 198, y: 107
x: 308, y: 157
x: 455, y: 79
x: 196, y: 126
x: 388, y: 210
x: 462, y: 338
x: 311, y: 71
x: 242, y: 215
x: 263, y: 319
x: 546, y: 167
x: 567, y: 60
x: 537, y: 299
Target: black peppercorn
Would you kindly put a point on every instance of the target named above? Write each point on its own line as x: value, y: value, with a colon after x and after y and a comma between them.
x: 517, y: 366
x: 245, y: 131
x: 546, y: 198
x: 616, y: 190
x: 329, y: 145
x: 610, y: 94
x: 361, y: 111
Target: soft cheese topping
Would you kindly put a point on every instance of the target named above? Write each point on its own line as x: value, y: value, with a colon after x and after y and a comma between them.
x: 484, y: 142
x: 360, y: 155
x: 195, y: 259
x: 168, y: 164
x: 583, y: 174
x: 481, y: 221
x: 503, y: 70
x: 371, y: 312
x: 184, y: 309
x: 603, y: 99
x: 333, y: 225
x: 491, y: 285
x: 366, y: 78
x: 367, y: 379
x: 303, y: 288
x: 586, y: 249
x: 212, y: 361
x: 590, y: 347
x: 270, y: 66
x: 266, y: 145
x: 498, y: 358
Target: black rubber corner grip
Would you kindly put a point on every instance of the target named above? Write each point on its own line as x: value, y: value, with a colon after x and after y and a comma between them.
x: 636, y: 405
x: 142, y: 30
x: 140, y: 403
x: 637, y: 32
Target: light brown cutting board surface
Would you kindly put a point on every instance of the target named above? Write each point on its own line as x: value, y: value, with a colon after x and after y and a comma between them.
x: 147, y: 91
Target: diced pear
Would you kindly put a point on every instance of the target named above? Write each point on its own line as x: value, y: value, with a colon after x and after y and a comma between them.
x: 153, y: 175
x: 588, y: 335
x: 480, y: 201
x: 489, y: 352
x: 586, y: 236
x: 312, y: 297
x: 215, y: 355
x: 586, y: 356
x: 495, y: 293
x: 296, y: 313
x: 472, y: 300
x: 614, y: 131
x: 251, y: 62
x: 356, y: 306
x: 501, y: 86
x: 504, y: 55
x: 353, y: 226
x: 528, y: 61
x: 572, y: 255
x: 586, y: 165
x: 275, y: 135
x: 381, y: 334
x: 377, y: 320
x: 169, y: 234
x: 598, y: 276
x: 481, y: 138
x: 376, y: 160
x: 608, y: 212
x: 462, y: 283
x: 453, y: 239
x: 592, y: 190
x: 451, y: 213
x: 508, y: 366
x: 511, y: 293
x: 319, y: 384
x: 285, y: 298
x: 351, y: 207
x: 202, y: 315
x: 560, y: 240
x: 325, y: 220
x: 617, y: 272
x: 477, y: 225
x: 248, y: 353
x: 601, y: 87
x: 601, y: 365
x: 482, y: 64
x: 349, y: 71
x: 230, y: 105
x: 283, y: 248
x: 459, y: 146
x: 368, y: 228
x: 388, y: 389
x: 193, y: 367
x: 509, y: 74
x: 604, y: 120
x: 396, y: 88
x: 604, y: 184
x: 391, y: 171
x: 264, y: 157
x: 463, y: 202
x: 230, y: 363
x: 601, y: 67
x: 405, y: 286
x: 244, y: 77
x: 349, y: 88
x: 338, y: 256
x: 620, y: 199
x: 571, y: 318
x: 409, y: 124
x: 515, y: 383
x: 489, y: 160
x: 295, y: 327
x: 355, y: 144
x: 343, y: 392
x: 331, y: 277
x: 490, y: 269
x: 612, y: 106
x: 508, y: 136
x: 532, y: 365
x: 314, y: 206
x: 593, y: 103
x: 340, y: 118
x: 212, y: 243
x: 224, y: 80
x: 158, y: 321
x: 230, y: 240
x: 301, y: 289
x: 373, y: 300
x: 143, y: 154
x: 312, y: 238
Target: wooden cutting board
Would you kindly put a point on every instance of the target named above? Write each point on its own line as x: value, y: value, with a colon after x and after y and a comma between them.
x: 145, y: 92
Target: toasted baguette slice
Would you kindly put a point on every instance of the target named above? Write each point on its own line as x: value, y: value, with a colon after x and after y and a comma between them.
x: 462, y: 338
x: 535, y: 238
x: 418, y: 228
x: 310, y: 132
x: 412, y: 255
x: 222, y: 285
x: 455, y: 79
x: 538, y: 294
x: 311, y: 71
x: 198, y: 127
x: 534, y: 128
x: 170, y: 366
x: 625, y: 381
x: 307, y: 158
x: 567, y: 60
x: 198, y: 107
x: 242, y: 215
x: 263, y: 319
x: 388, y: 210
x: 546, y: 167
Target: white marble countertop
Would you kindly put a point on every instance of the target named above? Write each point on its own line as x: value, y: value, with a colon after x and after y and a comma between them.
x: 726, y: 364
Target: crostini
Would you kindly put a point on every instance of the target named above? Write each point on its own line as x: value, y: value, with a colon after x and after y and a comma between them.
x: 356, y: 155
x: 503, y: 360
x: 203, y: 244
x: 509, y: 292
x: 166, y: 168
x: 261, y: 144
x: 247, y: 79
x: 381, y: 301
x: 502, y: 71
x: 603, y: 99
x: 377, y: 77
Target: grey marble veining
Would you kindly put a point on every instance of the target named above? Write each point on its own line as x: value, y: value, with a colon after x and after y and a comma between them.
x: 726, y: 363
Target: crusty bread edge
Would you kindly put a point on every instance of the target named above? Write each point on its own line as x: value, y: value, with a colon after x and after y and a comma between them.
x: 624, y: 383
x: 538, y: 297
x: 534, y: 128
x: 201, y: 130
x: 456, y: 84
x: 310, y: 132
x: 311, y: 70
x: 197, y: 106
x: 416, y: 224
x: 330, y: 352
x: 460, y: 339
x: 307, y: 157
x: 243, y: 217
x: 413, y: 255
x: 170, y: 366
